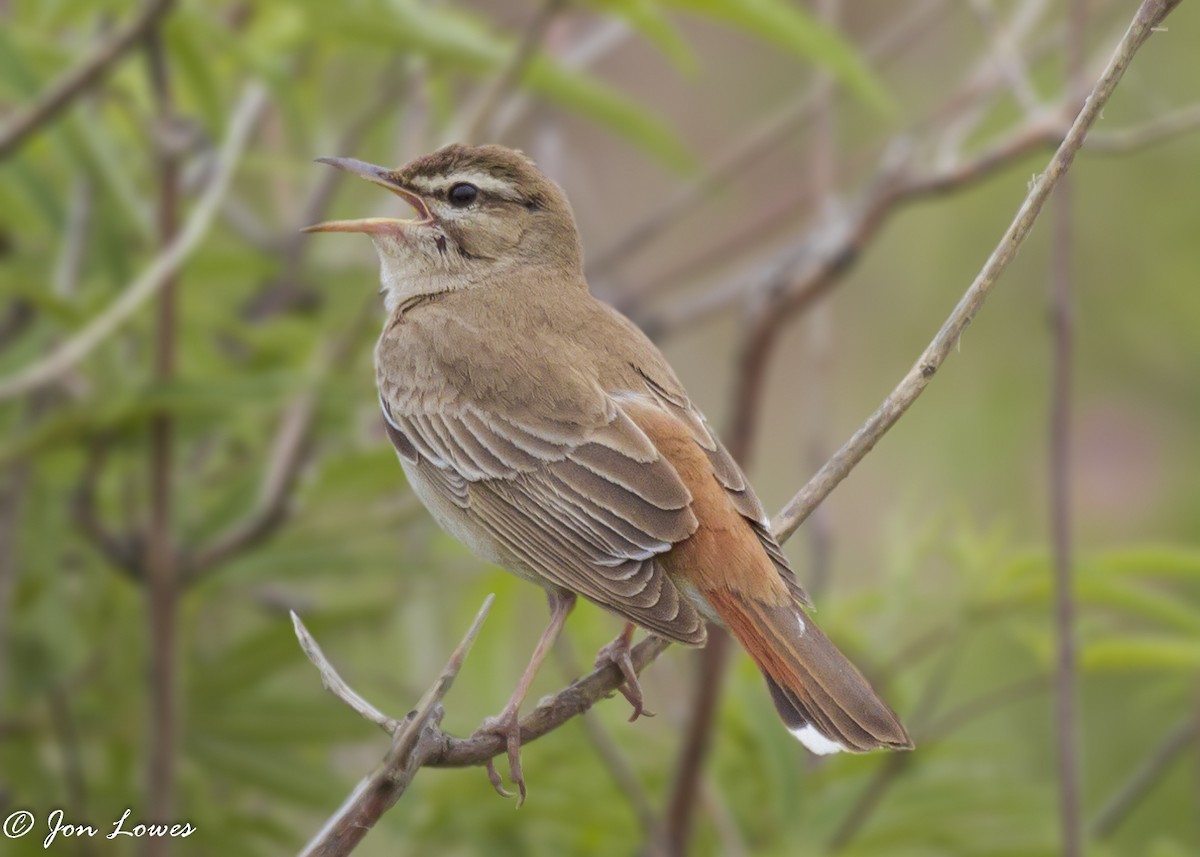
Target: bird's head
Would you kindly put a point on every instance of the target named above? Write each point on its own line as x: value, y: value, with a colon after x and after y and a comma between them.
x: 481, y: 211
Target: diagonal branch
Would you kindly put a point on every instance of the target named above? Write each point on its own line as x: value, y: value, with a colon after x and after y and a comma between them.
x: 1145, y: 777
x: 1149, y: 15
x: 87, y: 74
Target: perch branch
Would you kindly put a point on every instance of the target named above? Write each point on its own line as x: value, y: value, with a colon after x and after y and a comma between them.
x: 413, y: 740
x: 83, y: 77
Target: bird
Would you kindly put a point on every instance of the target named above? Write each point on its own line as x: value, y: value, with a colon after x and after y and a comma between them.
x: 544, y: 430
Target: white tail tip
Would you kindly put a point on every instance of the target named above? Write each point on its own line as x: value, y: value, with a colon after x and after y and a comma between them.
x: 815, y: 741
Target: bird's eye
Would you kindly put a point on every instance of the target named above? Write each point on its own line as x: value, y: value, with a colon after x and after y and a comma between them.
x: 462, y: 194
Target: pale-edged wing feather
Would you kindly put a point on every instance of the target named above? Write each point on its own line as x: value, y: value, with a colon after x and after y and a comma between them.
x: 586, y: 508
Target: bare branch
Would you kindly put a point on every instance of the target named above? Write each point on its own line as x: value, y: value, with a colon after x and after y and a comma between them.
x: 890, y: 43
x: 160, y: 555
x: 607, y: 750
x: 335, y: 684
x: 502, y: 83
x: 1154, y: 131
x: 164, y: 265
x: 90, y: 72
x: 1149, y: 15
x: 1144, y: 777
x: 1062, y: 332
x: 413, y: 741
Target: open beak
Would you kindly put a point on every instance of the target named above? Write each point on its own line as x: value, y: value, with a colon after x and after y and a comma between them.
x: 383, y: 178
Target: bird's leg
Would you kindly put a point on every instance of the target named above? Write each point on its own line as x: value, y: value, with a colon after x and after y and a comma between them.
x: 617, y: 652
x: 507, y: 724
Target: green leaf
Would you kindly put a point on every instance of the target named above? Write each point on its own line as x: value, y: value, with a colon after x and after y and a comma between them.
x: 1143, y: 652
x: 461, y: 42
x: 1152, y: 560
x: 792, y: 28
x: 647, y: 18
x: 275, y: 775
x: 603, y: 104
x: 1129, y: 598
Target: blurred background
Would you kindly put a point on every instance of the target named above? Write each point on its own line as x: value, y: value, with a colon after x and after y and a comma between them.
x: 790, y: 198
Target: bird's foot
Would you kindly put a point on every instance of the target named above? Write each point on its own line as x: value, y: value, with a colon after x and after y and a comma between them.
x: 506, y: 724
x: 617, y: 652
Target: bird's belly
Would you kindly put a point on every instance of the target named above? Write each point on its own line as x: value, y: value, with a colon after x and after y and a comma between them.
x: 458, y: 523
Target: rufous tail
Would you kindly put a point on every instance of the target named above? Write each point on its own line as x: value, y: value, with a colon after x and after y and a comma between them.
x: 823, y: 699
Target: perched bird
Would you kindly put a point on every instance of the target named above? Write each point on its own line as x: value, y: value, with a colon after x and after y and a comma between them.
x: 544, y: 430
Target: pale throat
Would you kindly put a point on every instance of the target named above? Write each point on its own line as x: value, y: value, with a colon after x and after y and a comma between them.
x: 405, y: 272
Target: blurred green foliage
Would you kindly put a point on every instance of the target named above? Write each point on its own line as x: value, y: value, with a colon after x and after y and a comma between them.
x: 953, y: 618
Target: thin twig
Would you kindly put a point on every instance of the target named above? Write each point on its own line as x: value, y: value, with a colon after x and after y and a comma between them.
x: 934, y: 731
x: 1151, y: 132
x: 1003, y: 45
x: 889, y: 44
x: 166, y: 263
x: 506, y: 79
x: 414, y: 740
x: 161, y: 571
x: 606, y: 749
x: 1144, y: 777
x: 87, y: 74
x: 1066, y: 721
x: 124, y: 552
x: 335, y: 684
x: 1149, y: 15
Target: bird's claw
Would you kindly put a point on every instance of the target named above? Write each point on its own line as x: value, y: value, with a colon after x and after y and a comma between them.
x: 507, y: 725
x: 617, y: 652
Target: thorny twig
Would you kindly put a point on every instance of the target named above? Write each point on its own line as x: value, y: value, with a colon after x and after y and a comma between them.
x: 415, y: 740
